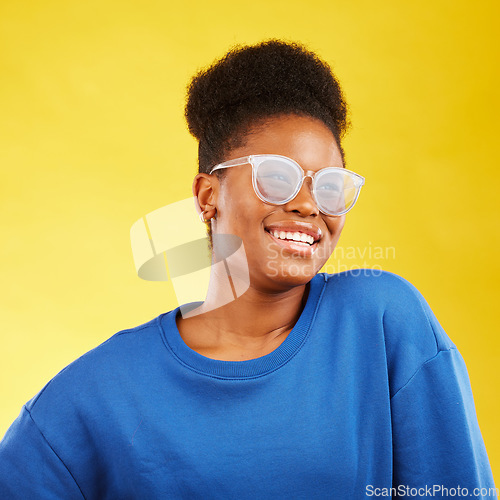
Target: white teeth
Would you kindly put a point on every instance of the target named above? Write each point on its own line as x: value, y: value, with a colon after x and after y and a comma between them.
x: 296, y: 236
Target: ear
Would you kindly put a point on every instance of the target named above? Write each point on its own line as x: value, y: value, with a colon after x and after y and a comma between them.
x: 205, y: 190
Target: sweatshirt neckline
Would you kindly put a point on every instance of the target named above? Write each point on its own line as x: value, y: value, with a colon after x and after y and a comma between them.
x: 248, y: 368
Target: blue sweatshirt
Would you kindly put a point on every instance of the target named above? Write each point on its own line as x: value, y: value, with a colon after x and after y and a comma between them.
x: 367, y: 393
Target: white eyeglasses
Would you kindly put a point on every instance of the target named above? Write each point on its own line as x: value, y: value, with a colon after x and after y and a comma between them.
x: 278, y: 179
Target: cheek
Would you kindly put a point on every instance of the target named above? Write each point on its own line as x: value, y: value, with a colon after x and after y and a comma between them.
x: 237, y: 190
x: 335, y: 226
x: 239, y: 209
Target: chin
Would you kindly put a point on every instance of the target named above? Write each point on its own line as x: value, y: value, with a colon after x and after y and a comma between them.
x: 293, y: 273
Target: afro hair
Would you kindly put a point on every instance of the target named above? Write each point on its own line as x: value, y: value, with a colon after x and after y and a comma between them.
x: 252, y: 83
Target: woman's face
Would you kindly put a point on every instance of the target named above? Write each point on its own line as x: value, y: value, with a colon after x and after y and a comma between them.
x: 275, y: 263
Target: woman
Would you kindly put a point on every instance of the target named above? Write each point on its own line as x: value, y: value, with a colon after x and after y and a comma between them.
x: 306, y: 385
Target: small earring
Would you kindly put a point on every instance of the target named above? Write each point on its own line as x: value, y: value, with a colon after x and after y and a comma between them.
x: 202, y: 215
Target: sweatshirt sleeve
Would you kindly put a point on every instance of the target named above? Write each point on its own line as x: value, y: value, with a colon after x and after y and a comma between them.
x: 437, y: 443
x: 29, y: 467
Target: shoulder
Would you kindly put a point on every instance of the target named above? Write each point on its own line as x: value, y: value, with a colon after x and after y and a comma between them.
x: 99, y: 371
x: 393, y: 306
x: 387, y: 294
x: 375, y: 286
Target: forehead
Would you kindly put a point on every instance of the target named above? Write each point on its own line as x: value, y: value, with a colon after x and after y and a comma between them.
x: 306, y: 140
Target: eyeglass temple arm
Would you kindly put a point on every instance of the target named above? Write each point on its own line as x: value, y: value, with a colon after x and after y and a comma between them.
x: 232, y: 163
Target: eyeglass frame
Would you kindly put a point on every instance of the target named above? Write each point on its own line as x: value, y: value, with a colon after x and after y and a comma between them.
x: 358, y: 180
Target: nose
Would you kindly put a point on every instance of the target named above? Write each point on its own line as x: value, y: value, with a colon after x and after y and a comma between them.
x: 303, y: 203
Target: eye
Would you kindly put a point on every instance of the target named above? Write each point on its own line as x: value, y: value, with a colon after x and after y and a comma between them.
x: 330, y: 187
x: 275, y: 177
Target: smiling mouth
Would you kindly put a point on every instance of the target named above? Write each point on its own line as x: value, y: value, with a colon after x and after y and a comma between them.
x: 298, y: 243
x: 296, y: 237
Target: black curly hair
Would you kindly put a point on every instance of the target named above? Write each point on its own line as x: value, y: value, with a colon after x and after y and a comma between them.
x: 251, y: 84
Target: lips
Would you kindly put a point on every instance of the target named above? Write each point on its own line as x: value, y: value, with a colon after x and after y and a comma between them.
x: 286, y: 230
x: 296, y: 237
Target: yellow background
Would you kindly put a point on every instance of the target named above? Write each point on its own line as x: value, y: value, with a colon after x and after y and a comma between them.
x: 92, y: 137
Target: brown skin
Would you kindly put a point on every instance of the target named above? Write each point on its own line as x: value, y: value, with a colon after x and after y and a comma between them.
x: 258, y: 321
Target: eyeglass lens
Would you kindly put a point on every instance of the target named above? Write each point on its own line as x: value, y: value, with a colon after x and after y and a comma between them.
x: 277, y: 181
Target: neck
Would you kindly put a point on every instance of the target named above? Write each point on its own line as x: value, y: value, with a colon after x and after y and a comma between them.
x: 250, y: 325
